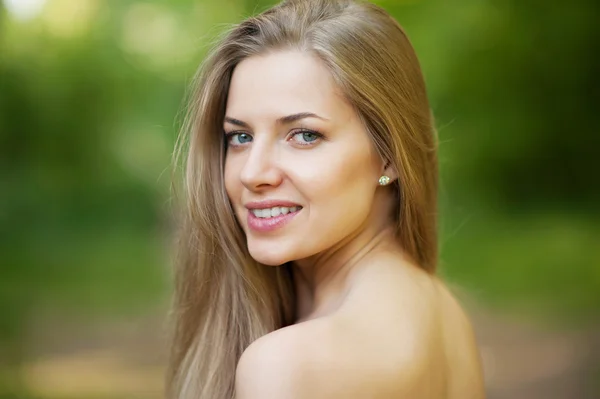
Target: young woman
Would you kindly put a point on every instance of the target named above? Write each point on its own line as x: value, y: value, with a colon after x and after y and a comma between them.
x: 308, y: 247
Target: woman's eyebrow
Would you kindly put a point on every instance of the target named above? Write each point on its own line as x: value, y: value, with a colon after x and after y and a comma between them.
x: 296, y: 117
x: 282, y: 121
x: 236, y: 122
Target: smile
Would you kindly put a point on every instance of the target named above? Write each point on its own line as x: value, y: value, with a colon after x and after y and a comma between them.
x: 270, y: 219
x: 268, y: 213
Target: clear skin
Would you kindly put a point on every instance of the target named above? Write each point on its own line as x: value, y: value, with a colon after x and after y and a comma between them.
x: 366, y: 315
x: 335, y: 178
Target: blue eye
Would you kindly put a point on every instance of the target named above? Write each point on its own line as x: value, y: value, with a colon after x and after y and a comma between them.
x: 309, y: 136
x: 236, y: 139
x: 306, y: 137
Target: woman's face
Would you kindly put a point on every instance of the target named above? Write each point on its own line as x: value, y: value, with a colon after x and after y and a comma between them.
x: 301, y: 171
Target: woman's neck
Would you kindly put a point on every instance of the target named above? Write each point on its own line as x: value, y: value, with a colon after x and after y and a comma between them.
x: 323, y: 280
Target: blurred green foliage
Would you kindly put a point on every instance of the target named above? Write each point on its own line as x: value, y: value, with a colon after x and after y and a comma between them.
x: 90, y: 93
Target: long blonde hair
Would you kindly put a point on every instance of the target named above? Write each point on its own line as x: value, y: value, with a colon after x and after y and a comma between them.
x: 224, y: 300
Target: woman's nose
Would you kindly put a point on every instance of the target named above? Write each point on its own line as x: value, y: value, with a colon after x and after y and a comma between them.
x: 261, y: 169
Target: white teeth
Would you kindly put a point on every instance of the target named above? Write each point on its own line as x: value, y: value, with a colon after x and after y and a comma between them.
x: 275, y: 211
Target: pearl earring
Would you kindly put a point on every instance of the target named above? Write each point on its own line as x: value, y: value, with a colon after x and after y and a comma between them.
x: 384, y: 180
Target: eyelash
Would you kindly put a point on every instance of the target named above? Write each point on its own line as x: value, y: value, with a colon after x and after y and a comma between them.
x: 229, y: 135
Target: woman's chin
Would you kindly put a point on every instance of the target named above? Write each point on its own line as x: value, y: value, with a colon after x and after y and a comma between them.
x: 269, y: 260
x: 269, y: 257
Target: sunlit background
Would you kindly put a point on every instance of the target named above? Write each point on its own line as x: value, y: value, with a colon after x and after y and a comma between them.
x: 90, y: 101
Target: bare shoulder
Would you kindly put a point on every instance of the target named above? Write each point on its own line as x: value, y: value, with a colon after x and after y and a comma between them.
x: 389, y: 339
x: 317, y: 359
x: 280, y: 364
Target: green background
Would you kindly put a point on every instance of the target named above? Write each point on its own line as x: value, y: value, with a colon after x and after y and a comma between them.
x: 90, y: 103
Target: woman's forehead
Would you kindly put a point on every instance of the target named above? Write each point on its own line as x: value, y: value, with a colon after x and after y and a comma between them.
x: 284, y: 83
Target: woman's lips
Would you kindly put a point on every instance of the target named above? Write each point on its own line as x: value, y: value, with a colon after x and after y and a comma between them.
x: 269, y: 224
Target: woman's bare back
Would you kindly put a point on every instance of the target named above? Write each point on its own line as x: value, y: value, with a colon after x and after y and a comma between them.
x: 404, y: 312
